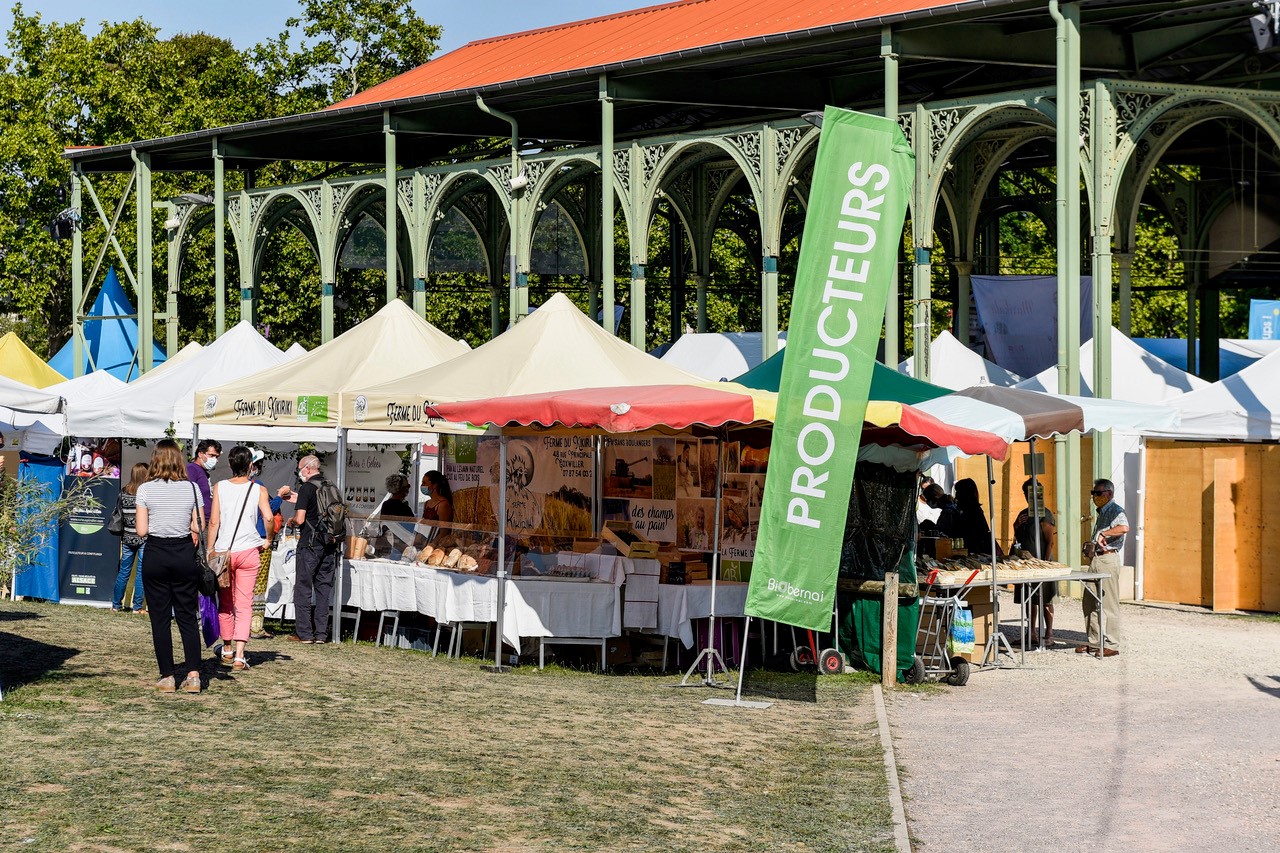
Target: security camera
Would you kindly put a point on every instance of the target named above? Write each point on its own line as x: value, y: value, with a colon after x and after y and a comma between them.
x: 519, y: 182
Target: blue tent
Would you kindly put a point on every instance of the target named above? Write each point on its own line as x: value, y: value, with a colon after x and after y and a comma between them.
x: 112, y: 343
x: 1174, y: 351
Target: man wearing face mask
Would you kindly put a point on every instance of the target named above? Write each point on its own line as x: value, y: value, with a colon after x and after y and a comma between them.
x: 316, y: 563
x: 207, y: 453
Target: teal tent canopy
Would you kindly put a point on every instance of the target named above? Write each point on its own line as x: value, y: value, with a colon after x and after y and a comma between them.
x: 111, y: 344
x: 886, y: 384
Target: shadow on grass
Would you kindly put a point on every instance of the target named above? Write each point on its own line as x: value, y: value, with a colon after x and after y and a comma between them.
x: 17, y: 615
x: 769, y: 684
x: 25, y: 661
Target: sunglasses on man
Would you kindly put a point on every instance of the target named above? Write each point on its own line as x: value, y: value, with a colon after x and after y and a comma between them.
x: 1099, y: 492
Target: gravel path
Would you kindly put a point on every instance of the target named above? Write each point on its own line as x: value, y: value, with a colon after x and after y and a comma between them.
x: 1172, y: 745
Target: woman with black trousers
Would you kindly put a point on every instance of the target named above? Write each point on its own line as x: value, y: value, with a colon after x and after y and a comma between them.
x: 169, y: 516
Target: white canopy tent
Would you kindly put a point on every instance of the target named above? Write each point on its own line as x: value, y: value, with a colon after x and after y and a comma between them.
x: 295, y: 350
x: 719, y: 356
x: 22, y: 406
x: 190, y: 350
x: 148, y: 406
x: 46, y: 434
x: 303, y: 392
x: 556, y: 348
x: 1136, y: 375
x: 1243, y: 406
x: 953, y: 365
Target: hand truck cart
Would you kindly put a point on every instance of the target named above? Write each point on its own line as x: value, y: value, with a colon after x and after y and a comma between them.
x: 933, y: 660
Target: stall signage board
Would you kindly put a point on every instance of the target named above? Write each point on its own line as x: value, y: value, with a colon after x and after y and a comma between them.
x: 852, y: 239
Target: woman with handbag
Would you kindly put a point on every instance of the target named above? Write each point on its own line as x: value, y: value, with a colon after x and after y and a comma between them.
x: 131, y: 544
x: 238, y: 503
x: 169, y: 517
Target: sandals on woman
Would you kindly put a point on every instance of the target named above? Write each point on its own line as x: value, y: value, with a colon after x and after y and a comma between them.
x: 227, y: 654
x: 239, y: 665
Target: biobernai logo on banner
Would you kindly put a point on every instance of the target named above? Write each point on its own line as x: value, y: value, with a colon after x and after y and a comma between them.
x: 852, y: 238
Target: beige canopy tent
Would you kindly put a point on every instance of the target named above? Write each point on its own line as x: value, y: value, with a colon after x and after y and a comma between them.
x: 555, y: 348
x: 304, y: 391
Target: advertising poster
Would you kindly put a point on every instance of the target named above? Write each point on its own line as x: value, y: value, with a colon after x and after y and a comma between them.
x: 366, y: 479
x: 550, y: 480
x: 642, y: 482
x: 89, y: 556
x: 746, y: 460
x: 852, y: 239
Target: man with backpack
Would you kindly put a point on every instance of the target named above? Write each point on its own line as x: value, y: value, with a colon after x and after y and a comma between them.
x: 319, y: 511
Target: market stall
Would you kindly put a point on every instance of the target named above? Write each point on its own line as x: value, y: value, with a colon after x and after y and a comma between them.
x: 1023, y: 416
x: 894, y: 435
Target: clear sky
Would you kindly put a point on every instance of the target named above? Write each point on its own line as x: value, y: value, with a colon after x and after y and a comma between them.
x: 246, y: 22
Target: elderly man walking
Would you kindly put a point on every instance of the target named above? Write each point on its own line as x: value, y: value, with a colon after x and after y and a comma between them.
x: 1109, y: 531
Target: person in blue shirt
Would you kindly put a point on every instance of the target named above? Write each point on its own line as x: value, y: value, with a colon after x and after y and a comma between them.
x: 1109, y: 530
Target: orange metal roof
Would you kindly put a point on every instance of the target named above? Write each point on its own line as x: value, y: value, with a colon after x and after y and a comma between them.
x: 626, y: 36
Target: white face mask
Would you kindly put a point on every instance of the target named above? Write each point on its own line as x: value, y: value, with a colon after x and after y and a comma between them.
x: 210, y: 462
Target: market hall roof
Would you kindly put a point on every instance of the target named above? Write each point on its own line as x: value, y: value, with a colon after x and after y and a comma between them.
x: 714, y: 63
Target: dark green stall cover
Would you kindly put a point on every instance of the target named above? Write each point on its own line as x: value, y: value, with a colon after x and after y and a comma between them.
x: 880, y: 531
x: 886, y: 384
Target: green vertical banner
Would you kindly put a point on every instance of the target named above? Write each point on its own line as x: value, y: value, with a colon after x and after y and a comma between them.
x: 852, y: 240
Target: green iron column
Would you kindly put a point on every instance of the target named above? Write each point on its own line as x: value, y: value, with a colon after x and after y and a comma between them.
x: 892, y: 318
x: 146, y: 307
x: 1124, y: 260
x: 639, y: 314
x: 922, y: 239
x: 248, y: 270
x: 173, y: 240
x: 1102, y: 135
x: 768, y: 306
x: 328, y: 262
x: 606, y: 203
x: 77, y: 278
x: 964, y: 286
x: 389, y: 179
x: 770, y: 237
x: 421, y: 243
x: 219, y: 241
x: 1067, y: 141
x: 701, y: 281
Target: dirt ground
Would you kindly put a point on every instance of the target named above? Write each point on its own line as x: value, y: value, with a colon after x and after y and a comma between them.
x: 1172, y: 745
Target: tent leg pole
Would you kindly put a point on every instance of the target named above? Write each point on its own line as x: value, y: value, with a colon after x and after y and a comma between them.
x: 335, y: 631
x: 710, y: 653
x: 742, y: 664
x: 502, y: 556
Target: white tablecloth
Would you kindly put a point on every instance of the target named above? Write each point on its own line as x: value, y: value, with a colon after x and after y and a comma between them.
x: 534, y: 608
x: 380, y: 585
x: 561, y: 609
x: 678, y: 606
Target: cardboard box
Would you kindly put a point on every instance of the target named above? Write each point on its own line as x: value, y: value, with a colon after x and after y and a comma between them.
x: 628, y: 542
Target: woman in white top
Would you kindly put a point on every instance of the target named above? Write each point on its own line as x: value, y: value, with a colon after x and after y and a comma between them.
x: 233, y: 527
x: 168, y: 511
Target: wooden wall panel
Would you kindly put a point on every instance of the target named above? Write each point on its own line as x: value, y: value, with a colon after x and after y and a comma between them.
x: 1173, y: 555
x: 1179, y: 560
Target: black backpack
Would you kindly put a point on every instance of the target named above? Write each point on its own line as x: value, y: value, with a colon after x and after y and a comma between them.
x: 333, y: 514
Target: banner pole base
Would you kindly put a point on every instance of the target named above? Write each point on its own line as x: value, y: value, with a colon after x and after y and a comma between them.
x: 714, y: 663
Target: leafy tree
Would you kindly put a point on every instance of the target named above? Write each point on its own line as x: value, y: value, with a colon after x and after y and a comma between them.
x: 344, y: 47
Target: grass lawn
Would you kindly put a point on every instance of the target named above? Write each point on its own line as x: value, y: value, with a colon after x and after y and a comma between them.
x: 352, y: 748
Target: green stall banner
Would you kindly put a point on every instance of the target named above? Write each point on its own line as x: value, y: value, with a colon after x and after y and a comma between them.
x: 852, y: 241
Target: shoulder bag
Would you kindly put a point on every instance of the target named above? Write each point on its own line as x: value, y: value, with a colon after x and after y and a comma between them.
x: 220, y: 561
x: 207, y: 582
x: 115, y: 522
